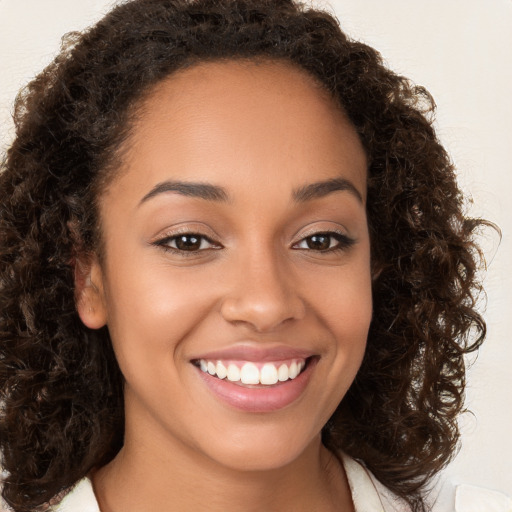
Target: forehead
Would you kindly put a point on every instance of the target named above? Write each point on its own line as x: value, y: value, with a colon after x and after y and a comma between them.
x: 261, y: 120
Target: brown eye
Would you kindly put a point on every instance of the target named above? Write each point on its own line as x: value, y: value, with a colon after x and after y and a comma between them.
x: 188, y: 242
x: 325, y: 242
x: 320, y: 242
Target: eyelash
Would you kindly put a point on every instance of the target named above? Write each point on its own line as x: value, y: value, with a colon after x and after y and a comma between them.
x: 343, y: 242
x: 164, y: 243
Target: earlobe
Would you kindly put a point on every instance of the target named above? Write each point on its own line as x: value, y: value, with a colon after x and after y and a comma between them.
x: 89, y: 294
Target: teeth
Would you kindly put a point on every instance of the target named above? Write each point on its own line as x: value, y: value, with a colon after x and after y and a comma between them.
x: 268, y: 374
x: 292, y: 372
x: 211, y: 368
x: 233, y: 373
x: 221, y: 370
x: 249, y: 373
x: 282, y: 373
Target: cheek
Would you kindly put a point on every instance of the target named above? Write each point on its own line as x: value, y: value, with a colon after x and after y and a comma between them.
x: 152, y: 308
x: 343, y: 299
x: 343, y: 304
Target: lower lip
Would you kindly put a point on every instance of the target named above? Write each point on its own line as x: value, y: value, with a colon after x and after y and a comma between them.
x: 259, y: 399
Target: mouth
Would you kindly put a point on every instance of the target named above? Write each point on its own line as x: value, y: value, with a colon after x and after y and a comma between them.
x: 251, y: 373
x: 256, y: 386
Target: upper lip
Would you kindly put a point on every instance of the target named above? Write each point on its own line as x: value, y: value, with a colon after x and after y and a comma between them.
x: 256, y: 353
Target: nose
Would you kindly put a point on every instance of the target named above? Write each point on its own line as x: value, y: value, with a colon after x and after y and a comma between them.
x: 263, y: 294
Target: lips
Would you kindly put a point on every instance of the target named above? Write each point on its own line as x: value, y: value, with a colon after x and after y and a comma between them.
x: 254, y: 379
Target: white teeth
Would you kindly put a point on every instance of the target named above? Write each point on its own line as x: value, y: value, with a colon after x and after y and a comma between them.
x: 211, y: 368
x: 233, y: 373
x: 249, y: 373
x: 282, y: 373
x: 268, y: 374
x: 221, y: 370
x: 293, y: 371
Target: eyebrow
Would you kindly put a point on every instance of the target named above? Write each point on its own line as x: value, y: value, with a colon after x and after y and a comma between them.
x: 204, y: 191
x: 324, y: 188
x: 211, y: 192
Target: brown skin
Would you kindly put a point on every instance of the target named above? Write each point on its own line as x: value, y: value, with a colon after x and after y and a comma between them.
x: 260, y: 131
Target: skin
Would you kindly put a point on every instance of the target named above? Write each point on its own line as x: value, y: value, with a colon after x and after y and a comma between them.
x: 260, y: 131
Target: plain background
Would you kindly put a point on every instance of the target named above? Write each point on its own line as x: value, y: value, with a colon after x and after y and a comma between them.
x: 461, y: 50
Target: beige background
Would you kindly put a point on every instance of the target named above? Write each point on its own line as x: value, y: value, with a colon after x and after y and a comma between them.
x: 461, y: 50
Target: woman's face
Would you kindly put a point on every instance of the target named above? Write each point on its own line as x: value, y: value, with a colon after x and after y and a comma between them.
x: 236, y: 246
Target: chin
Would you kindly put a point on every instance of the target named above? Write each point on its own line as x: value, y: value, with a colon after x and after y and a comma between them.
x: 265, y: 448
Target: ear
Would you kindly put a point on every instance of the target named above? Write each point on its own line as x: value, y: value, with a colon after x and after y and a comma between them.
x: 89, y: 292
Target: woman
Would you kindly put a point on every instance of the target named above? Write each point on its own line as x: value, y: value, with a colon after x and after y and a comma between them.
x: 234, y: 260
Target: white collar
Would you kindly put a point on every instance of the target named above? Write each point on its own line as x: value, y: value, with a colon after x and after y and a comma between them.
x: 80, y: 499
x: 364, y: 493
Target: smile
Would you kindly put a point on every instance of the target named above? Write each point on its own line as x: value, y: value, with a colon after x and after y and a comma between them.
x: 253, y: 373
x: 253, y: 384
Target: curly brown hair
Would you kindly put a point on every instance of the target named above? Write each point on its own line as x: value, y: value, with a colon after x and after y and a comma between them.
x: 61, y: 388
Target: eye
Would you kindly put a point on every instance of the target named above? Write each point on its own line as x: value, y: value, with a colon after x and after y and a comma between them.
x: 187, y: 242
x: 324, y: 242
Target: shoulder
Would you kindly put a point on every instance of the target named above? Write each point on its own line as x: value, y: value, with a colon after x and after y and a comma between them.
x: 369, y: 495
x: 451, y: 497
x: 81, y: 498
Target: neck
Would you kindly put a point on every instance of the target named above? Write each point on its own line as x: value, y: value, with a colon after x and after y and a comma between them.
x: 146, y: 477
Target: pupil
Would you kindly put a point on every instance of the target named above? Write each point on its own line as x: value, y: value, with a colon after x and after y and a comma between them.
x: 319, y: 242
x: 188, y: 242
